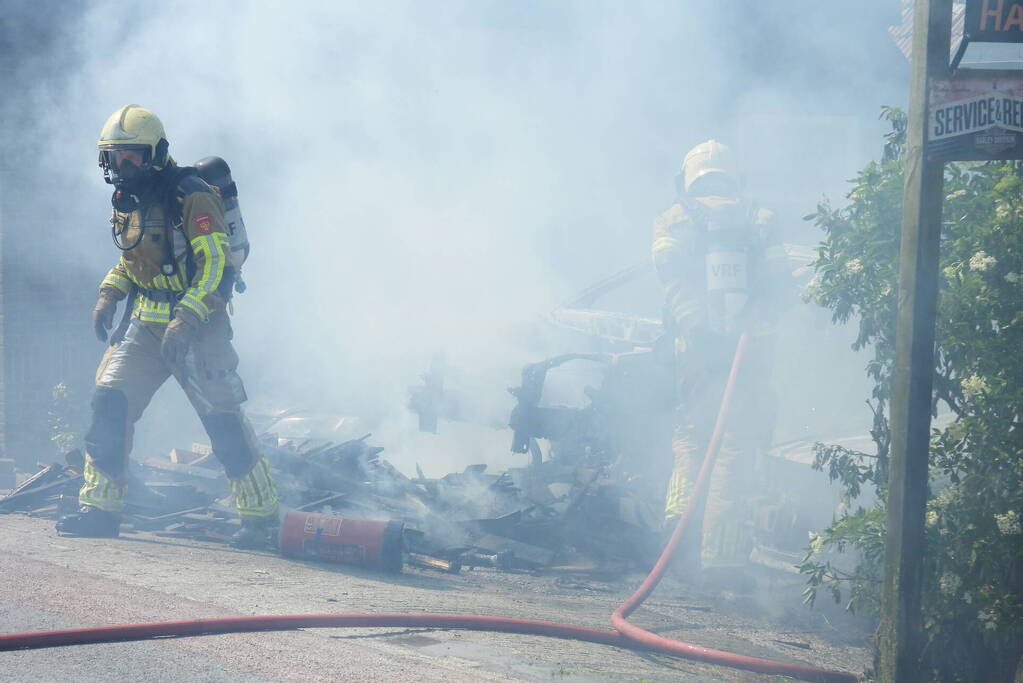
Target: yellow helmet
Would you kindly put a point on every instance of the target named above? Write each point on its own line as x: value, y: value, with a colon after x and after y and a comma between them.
x: 132, y: 128
x: 706, y: 158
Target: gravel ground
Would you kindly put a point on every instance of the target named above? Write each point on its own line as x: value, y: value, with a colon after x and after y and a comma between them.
x: 55, y: 582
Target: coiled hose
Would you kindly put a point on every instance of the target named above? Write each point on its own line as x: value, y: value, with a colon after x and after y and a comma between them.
x: 625, y: 635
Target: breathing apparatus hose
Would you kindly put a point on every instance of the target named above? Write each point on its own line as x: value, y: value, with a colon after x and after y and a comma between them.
x: 625, y: 634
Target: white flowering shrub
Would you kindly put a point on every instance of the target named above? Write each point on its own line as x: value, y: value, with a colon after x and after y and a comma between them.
x: 973, y: 574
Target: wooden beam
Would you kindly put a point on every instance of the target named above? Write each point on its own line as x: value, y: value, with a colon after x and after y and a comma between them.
x: 900, y: 635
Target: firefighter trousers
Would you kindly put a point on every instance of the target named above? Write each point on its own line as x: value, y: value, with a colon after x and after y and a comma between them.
x: 126, y: 380
x: 721, y: 529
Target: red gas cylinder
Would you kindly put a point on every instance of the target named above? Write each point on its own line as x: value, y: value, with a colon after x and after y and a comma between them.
x: 332, y: 538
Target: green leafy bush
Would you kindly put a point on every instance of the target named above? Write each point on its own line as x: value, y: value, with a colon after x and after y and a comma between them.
x: 973, y: 574
x: 65, y: 419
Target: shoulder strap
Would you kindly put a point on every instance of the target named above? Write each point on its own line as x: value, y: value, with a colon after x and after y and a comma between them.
x: 172, y: 220
x: 170, y: 194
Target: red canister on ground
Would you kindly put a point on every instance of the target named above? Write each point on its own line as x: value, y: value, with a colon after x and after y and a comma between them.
x: 332, y: 538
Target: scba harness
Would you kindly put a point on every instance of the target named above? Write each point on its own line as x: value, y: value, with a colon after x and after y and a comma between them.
x: 171, y: 185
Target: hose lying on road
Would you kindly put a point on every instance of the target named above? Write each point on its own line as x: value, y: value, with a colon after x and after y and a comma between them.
x: 626, y: 635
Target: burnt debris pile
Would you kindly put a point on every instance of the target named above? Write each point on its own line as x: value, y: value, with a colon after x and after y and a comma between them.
x: 577, y: 513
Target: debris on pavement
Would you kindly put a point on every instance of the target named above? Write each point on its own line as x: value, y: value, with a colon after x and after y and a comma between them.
x: 533, y: 518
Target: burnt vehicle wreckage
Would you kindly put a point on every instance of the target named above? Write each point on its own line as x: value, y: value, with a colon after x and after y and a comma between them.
x: 591, y: 502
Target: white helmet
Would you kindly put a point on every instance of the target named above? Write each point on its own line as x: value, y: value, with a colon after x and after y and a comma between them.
x: 132, y: 128
x: 706, y: 158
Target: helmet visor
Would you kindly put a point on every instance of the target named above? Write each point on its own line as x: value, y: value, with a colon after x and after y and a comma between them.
x: 122, y: 163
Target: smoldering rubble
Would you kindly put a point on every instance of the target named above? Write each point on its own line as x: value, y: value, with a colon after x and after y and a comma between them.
x: 526, y: 518
x: 590, y: 501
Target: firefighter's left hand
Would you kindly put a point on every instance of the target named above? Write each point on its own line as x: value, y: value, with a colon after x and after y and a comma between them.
x: 178, y: 338
x: 103, y: 316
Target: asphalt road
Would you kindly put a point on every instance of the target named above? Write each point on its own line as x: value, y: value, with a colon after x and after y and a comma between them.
x: 48, y: 582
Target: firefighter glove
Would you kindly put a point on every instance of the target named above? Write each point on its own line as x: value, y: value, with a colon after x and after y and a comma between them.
x: 179, y: 336
x: 103, y: 316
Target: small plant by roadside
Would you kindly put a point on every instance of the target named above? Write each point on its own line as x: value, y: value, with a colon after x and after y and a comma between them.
x: 65, y: 419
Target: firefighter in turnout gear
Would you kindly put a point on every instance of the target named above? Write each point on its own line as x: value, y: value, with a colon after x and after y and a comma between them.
x: 169, y: 226
x: 722, y: 271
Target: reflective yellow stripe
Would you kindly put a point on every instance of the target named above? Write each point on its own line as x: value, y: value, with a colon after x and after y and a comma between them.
x: 150, y: 311
x: 255, y: 494
x: 117, y: 281
x: 683, y: 306
x: 686, y: 450
x: 664, y: 243
x: 100, y: 491
x: 678, y: 488
x: 686, y: 307
x: 213, y: 248
x: 196, y: 306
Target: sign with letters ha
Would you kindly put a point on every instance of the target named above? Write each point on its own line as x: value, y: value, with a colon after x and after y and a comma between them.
x: 994, y: 21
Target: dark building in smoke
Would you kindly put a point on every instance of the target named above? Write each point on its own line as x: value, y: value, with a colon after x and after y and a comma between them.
x: 44, y: 300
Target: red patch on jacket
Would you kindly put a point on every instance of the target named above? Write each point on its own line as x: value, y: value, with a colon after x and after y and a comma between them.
x: 203, y: 223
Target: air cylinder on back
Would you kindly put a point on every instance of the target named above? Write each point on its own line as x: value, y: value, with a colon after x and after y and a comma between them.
x: 215, y: 171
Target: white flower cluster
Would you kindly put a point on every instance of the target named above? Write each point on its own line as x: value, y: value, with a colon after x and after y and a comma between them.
x: 1009, y: 523
x: 974, y: 386
x: 812, y: 291
x: 981, y: 261
x: 853, y: 266
x: 949, y: 583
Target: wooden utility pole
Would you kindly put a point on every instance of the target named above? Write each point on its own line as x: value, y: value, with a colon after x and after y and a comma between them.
x: 901, y: 623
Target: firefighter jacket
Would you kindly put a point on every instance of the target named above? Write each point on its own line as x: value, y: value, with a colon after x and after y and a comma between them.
x: 720, y: 264
x: 184, y: 273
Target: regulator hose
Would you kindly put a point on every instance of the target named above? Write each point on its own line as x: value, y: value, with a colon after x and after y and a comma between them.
x: 626, y: 635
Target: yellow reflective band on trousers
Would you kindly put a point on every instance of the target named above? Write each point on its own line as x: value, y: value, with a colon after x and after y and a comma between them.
x: 726, y: 543
x: 726, y: 539
x: 100, y: 491
x: 255, y: 494
x: 681, y: 482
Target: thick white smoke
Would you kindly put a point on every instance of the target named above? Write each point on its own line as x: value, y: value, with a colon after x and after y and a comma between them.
x: 434, y: 176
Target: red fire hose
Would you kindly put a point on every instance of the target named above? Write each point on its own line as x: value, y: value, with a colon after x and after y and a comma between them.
x: 626, y: 635
x: 679, y: 648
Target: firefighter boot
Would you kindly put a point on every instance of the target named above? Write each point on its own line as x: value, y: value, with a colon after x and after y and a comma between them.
x: 91, y: 522
x: 255, y: 495
x: 257, y: 533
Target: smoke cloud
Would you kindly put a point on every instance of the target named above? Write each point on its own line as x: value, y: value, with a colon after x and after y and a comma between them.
x: 418, y: 177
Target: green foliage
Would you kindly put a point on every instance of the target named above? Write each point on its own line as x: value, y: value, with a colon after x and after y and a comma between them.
x: 864, y: 531
x: 65, y: 418
x: 973, y: 573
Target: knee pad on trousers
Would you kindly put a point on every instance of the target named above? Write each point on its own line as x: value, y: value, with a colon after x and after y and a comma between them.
x: 230, y: 443
x: 106, y: 439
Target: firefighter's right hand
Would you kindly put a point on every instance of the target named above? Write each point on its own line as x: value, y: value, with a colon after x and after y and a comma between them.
x: 178, y: 338
x: 103, y: 316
